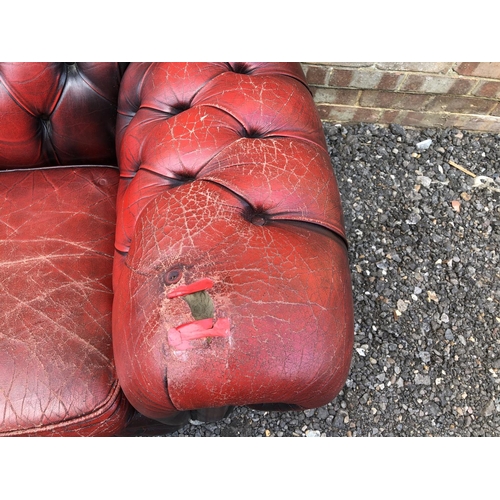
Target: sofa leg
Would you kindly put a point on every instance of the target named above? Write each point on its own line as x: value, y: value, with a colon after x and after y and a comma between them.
x: 211, y: 414
x: 141, y: 426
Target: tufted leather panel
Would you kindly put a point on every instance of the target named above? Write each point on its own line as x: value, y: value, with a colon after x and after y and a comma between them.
x: 58, y: 113
x: 57, y: 375
x: 231, y: 278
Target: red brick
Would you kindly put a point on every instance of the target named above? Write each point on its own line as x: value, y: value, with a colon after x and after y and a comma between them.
x: 340, y: 78
x: 335, y: 96
x: 496, y: 110
x: 462, y: 86
x: 420, y: 67
x: 390, y: 115
x: 437, y: 84
x: 351, y: 64
x: 484, y: 126
x: 352, y: 114
x: 390, y: 81
x: 315, y: 75
x: 365, y: 79
x: 421, y: 119
x: 482, y: 69
x: 457, y: 104
x: 347, y: 114
x: 466, y: 68
x: 488, y: 88
x: 393, y: 100
x: 473, y: 122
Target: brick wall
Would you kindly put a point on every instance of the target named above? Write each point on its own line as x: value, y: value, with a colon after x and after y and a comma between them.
x: 463, y: 95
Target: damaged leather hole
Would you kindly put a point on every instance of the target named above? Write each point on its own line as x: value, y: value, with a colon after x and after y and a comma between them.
x: 201, y: 305
x: 204, y: 325
x: 173, y: 276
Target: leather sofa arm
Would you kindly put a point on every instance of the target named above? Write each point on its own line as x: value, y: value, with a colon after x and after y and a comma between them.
x: 231, y: 278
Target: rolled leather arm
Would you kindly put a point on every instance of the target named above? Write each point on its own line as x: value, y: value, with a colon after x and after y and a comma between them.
x: 231, y: 277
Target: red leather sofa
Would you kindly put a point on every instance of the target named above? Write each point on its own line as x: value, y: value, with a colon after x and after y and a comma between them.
x: 171, y: 246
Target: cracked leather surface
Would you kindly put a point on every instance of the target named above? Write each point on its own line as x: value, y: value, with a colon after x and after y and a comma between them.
x: 225, y: 176
x: 225, y: 191
x: 57, y: 374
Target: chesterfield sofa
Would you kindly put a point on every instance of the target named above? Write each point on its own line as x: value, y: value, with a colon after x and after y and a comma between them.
x: 171, y: 246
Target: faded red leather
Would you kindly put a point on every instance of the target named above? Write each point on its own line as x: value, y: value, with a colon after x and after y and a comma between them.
x: 58, y: 113
x: 57, y: 225
x: 202, y: 196
x: 56, y: 245
x: 227, y: 179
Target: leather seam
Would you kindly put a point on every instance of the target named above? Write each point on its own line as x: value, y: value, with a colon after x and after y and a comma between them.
x: 107, y: 404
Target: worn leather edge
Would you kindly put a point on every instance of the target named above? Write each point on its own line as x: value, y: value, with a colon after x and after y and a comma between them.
x: 88, y: 424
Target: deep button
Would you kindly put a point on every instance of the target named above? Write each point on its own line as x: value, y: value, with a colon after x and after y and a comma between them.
x: 257, y: 217
x: 258, y: 220
x: 252, y: 134
x: 45, y: 123
x: 45, y: 126
x: 71, y: 68
x: 240, y: 68
x: 181, y: 179
x: 179, y: 108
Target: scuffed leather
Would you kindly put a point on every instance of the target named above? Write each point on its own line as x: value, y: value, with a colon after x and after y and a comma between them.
x: 57, y: 375
x: 225, y: 176
x: 225, y: 190
x: 58, y: 113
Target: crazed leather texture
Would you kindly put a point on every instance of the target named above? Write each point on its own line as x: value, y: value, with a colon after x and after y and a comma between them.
x: 57, y: 375
x: 58, y: 113
x: 231, y: 278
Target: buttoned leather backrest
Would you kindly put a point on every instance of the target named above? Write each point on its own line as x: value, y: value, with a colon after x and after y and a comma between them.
x: 58, y: 113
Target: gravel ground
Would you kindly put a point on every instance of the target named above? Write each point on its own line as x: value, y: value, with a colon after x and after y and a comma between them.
x: 424, y: 255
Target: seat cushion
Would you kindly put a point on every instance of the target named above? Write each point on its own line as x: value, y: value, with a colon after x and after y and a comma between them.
x: 57, y: 375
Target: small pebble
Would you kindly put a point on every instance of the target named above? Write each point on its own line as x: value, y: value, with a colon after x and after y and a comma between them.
x: 422, y: 146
